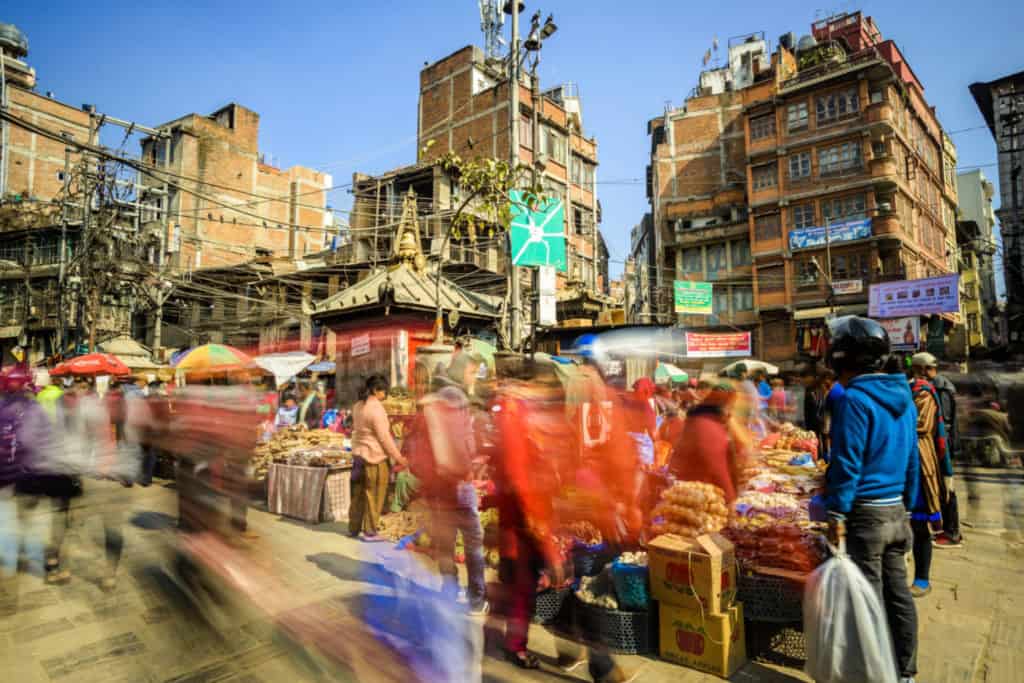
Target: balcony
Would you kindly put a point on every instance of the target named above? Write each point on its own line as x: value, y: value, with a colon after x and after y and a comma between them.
x: 714, y: 233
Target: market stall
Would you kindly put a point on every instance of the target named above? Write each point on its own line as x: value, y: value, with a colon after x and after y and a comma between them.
x: 307, y: 474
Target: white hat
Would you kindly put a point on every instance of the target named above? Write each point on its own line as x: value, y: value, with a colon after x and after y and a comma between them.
x: 924, y: 360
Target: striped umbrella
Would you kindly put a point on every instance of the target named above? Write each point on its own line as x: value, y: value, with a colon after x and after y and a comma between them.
x: 213, y: 359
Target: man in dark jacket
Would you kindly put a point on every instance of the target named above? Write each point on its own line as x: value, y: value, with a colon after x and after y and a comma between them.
x: 310, y: 407
x: 872, y: 478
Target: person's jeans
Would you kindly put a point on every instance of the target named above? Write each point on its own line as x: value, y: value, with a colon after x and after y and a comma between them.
x: 464, y: 518
x: 877, y: 539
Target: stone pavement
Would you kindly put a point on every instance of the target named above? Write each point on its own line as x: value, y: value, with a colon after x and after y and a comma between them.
x: 972, y: 625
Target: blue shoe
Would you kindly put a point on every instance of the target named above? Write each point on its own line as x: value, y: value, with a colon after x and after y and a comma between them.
x: 920, y: 588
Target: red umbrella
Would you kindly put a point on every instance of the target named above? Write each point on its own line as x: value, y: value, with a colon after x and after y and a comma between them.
x: 91, y: 364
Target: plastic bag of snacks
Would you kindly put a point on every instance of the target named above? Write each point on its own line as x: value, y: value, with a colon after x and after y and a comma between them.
x: 629, y: 574
x: 690, y: 508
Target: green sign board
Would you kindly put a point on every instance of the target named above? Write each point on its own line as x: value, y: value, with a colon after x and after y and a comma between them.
x: 537, y: 231
x: 692, y: 297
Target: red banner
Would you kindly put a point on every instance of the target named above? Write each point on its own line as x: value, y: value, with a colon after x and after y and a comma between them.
x: 726, y: 344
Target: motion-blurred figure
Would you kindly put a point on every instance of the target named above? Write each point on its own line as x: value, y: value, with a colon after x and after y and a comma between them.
x: 950, y: 536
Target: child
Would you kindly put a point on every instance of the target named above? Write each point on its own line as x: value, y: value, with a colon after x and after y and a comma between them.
x: 288, y: 413
x: 777, y: 399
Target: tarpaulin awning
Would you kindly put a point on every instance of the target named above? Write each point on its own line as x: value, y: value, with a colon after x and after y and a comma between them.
x: 666, y: 372
x: 325, y: 366
x: 284, y: 366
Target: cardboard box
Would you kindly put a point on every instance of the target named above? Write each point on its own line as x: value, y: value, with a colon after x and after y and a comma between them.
x: 694, y: 573
x: 715, y: 643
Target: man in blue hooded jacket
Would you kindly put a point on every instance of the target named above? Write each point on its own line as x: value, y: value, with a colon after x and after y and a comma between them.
x: 872, y: 478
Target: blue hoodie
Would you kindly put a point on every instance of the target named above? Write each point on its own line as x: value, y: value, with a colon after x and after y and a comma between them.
x: 874, y: 445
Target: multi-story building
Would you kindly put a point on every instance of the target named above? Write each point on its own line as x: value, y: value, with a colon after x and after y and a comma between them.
x: 831, y: 135
x: 1001, y: 102
x: 641, y: 267
x: 464, y: 108
x: 226, y: 205
x: 976, y: 222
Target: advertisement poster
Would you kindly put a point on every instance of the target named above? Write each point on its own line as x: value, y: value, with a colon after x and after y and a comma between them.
x: 547, y: 301
x: 915, y: 297
x: 692, y: 297
x: 904, y: 333
x: 721, y: 345
x: 840, y: 287
x: 841, y: 231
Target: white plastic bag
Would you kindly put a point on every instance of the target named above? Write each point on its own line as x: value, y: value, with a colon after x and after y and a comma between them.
x: 845, y: 627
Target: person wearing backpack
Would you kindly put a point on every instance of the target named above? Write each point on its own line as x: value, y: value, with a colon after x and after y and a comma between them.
x: 872, y: 478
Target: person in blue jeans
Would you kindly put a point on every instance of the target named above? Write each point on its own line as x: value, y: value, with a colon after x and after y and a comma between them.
x: 872, y: 477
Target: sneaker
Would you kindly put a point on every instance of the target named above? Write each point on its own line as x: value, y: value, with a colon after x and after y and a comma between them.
x: 947, y: 541
x: 568, y: 663
x: 482, y: 610
x: 920, y: 589
x: 907, y: 679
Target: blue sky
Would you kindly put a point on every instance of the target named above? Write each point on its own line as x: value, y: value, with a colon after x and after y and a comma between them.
x: 336, y: 83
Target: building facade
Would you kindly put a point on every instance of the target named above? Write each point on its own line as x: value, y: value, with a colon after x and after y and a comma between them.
x: 464, y: 108
x: 794, y: 180
x: 226, y: 205
x: 976, y: 221
x: 1001, y: 102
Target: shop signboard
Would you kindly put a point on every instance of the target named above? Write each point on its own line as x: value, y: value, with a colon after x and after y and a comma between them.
x: 546, y: 301
x: 692, y: 297
x: 840, y: 231
x: 841, y: 287
x: 936, y: 342
x: 926, y: 296
x: 360, y: 345
x: 718, y: 345
x: 904, y: 333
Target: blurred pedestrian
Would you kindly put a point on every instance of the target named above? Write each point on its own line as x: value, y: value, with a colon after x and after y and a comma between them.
x: 950, y: 536
x: 871, y: 481
x: 712, y: 447
x: 373, y: 447
x: 936, y: 469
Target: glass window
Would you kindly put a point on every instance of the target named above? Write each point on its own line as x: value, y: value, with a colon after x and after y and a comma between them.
x: 692, y: 261
x: 526, y: 132
x: 741, y: 253
x: 720, y: 300
x: 742, y: 298
x: 837, y: 105
x: 849, y: 266
x: 771, y: 279
x: 844, y: 208
x: 582, y: 173
x: 796, y: 117
x: 767, y: 227
x: 553, y: 144
x: 806, y: 272
x: 839, y: 158
x: 800, y: 165
x: 716, y: 260
x: 765, y: 176
x: 803, y: 216
x: 762, y: 126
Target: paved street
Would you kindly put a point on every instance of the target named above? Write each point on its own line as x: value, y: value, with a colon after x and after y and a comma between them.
x: 972, y: 625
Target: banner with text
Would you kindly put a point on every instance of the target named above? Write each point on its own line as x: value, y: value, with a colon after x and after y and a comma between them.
x: 692, y: 297
x: 915, y: 297
x: 904, y: 333
x: 717, y: 345
x: 840, y: 231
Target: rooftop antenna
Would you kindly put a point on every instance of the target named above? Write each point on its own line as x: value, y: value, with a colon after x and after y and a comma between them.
x: 492, y: 20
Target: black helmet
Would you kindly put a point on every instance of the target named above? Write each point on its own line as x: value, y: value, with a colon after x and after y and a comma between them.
x: 857, y: 344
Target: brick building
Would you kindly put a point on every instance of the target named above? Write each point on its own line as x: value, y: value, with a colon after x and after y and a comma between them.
x: 226, y: 204
x: 464, y: 107
x: 831, y: 133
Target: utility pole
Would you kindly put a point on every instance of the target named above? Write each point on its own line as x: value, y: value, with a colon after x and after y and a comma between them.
x: 516, y: 331
x: 62, y: 257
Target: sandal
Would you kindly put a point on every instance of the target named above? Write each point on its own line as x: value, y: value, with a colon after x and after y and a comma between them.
x: 57, y: 576
x: 523, y: 659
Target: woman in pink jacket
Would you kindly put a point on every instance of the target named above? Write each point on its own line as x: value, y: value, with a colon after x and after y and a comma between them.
x: 372, y: 449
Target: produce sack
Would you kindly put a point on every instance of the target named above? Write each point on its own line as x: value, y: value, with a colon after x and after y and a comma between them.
x: 845, y: 627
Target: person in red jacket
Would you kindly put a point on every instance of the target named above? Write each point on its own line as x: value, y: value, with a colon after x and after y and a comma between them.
x: 711, y: 448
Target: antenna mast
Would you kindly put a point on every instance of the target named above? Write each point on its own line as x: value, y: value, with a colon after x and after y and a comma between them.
x: 492, y: 20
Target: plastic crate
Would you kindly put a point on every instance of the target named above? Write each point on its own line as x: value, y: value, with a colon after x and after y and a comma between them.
x: 551, y: 604
x: 631, y: 586
x: 621, y: 631
x: 770, y: 598
x: 776, y: 643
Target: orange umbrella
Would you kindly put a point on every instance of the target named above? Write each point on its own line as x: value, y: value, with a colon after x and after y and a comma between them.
x: 91, y: 365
